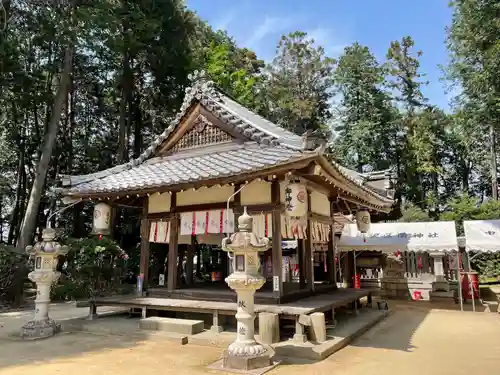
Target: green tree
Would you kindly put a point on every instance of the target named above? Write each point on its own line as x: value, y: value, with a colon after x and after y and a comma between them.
x: 299, y: 85
x: 365, y: 124
x: 406, y: 82
x: 474, y: 45
x: 228, y: 69
x: 411, y: 213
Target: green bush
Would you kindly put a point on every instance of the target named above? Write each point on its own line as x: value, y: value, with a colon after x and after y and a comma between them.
x: 93, y: 267
x: 13, y: 272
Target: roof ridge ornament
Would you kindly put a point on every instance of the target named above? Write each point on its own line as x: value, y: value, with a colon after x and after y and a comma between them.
x: 312, y: 140
x: 201, y: 84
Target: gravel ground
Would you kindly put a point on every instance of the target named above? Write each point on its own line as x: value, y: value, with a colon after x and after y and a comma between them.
x: 414, y: 340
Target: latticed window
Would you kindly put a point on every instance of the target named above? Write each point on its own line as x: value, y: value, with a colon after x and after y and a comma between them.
x: 203, y: 133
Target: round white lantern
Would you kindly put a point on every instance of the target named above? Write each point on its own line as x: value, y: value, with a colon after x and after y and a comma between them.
x: 363, y: 220
x: 296, y: 200
x: 102, y: 219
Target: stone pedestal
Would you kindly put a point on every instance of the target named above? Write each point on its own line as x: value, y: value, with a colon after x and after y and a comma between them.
x: 318, y: 327
x: 245, y: 363
x: 44, y: 275
x: 440, y: 283
x: 269, y: 328
x: 394, y: 284
x: 41, y: 326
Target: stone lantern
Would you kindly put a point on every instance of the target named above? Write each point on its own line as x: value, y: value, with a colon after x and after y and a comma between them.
x: 243, y: 248
x: 46, y: 254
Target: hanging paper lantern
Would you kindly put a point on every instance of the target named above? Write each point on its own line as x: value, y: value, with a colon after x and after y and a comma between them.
x: 363, y: 220
x: 296, y: 200
x: 102, y: 219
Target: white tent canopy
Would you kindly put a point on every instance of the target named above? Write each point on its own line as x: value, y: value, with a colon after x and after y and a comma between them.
x: 391, y: 237
x: 482, y: 235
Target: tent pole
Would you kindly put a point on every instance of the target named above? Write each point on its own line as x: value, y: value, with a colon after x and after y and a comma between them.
x: 460, y: 296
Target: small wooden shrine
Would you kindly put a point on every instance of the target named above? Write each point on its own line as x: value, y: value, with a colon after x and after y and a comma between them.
x: 193, y: 181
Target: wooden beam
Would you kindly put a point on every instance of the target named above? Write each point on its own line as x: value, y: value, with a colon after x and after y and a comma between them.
x: 173, y: 250
x: 160, y: 215
x: 320, y: 218
x: 325, y: 188
x: 186, y: 123
x: 277, y: 256
x: 144, y: 257
x: 256, y: 208
x: 221, y: 124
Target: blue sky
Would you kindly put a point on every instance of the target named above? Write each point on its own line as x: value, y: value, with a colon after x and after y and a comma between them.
x: 258, y: 24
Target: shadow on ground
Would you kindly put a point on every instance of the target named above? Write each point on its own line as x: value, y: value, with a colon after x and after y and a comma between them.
x: 106, y: 334
x: 405, y: 322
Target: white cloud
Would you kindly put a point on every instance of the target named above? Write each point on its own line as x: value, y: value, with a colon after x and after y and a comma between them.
x: 224, y: 21
x: 327, y: 38
x: 270, y: 25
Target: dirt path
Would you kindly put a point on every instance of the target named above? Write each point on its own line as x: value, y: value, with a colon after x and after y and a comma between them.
x: 413, y: 341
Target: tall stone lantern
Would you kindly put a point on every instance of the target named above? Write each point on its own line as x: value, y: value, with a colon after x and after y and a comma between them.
x: 243, y: 248
x: 45, y: 253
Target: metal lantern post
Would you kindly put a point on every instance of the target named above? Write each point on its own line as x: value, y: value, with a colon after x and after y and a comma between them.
x: 243, y: 249
x: 46, y: 253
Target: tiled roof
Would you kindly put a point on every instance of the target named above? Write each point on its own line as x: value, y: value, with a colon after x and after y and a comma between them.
x: 191, y: 166
x: 377, y: 181
x: 240, y: 118
x: 268, y: 145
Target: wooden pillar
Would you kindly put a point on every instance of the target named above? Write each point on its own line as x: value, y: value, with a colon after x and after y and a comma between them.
x: 348, y: 269
x: 309, y: 257
x: 308, y: 248
x: 277, y: 256
x: 302, y: 266
x: 330, y: 255
x: 144, y: 258
x: 190, y: 261
x: 173, y: 246
x: 198, y: 262
x: 181, y: 251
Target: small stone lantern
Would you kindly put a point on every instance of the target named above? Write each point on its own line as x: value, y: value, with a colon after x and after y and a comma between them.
x: 244, y: 248
x: 46, y: 253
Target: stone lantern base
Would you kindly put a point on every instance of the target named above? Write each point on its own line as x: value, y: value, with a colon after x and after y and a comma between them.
x: 245, y: 363
x: 40, y: 329
x: 250, y: 365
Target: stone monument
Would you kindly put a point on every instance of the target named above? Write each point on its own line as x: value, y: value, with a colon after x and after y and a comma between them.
x: 45, y: 253
x: 243, y: 247
x: 440, y: 283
